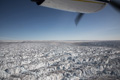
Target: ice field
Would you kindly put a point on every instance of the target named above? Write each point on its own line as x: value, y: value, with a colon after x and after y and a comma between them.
x: 60, y: 60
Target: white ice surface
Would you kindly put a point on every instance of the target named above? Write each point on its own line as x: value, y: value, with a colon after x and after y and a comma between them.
x: 59, y: 60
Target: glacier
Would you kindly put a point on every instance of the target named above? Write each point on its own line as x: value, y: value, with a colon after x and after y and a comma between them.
x: 60, y: 60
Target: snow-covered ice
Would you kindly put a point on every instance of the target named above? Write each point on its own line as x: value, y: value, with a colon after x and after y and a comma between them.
x: 60, y: 60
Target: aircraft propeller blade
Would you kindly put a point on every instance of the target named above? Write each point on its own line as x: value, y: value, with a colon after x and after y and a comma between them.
x: 77, y: 19
x: 115, y: 4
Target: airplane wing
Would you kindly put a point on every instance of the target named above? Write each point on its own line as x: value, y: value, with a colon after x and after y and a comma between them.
x: 80, y: 6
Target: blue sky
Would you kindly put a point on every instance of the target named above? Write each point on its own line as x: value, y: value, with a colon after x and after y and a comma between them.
x: 24, y: 20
